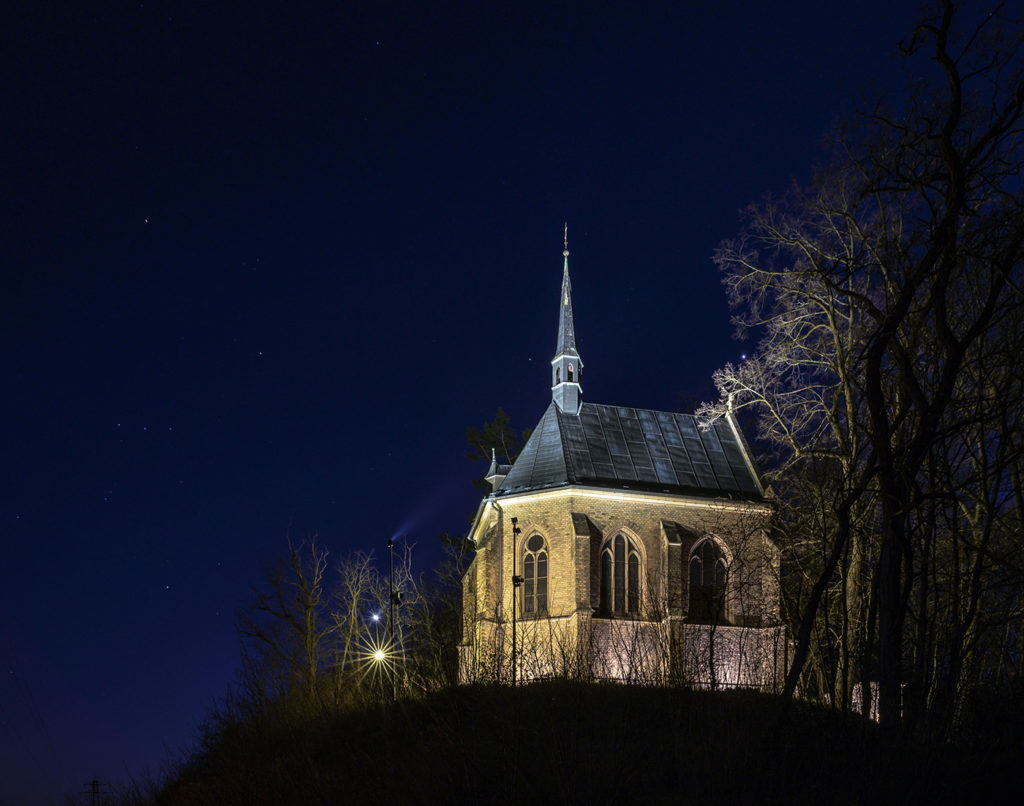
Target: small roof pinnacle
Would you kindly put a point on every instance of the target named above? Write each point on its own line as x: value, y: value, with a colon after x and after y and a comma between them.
x: 565, y: 252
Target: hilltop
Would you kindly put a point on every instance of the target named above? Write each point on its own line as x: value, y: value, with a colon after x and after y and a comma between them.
x: 564, y: 742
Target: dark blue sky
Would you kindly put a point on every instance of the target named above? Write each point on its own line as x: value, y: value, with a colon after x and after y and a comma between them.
x: 263, y: 263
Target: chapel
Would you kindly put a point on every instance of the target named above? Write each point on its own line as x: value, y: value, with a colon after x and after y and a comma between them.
x: 623, y: 544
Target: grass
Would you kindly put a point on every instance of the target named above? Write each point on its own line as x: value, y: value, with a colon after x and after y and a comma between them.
x: 569, y: 743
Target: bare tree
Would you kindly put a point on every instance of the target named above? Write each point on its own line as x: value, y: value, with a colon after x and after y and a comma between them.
x: 353, y: 604
x: 435, y: 617
x: 876, y: 290
x: 286, y: 626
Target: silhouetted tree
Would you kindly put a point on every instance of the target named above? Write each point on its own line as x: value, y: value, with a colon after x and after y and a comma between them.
x: 881, y: 292
x: 285, y: 629
x: 497, y: 436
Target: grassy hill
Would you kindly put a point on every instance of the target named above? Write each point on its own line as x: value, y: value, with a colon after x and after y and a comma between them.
x: 571, y: 743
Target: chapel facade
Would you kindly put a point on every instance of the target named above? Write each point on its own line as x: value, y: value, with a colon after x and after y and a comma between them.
x: 624, y: 544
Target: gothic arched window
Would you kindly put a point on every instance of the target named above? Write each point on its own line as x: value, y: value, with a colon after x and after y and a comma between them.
x: 620, y: 578
x: 535, y: 577
x: 709, y: 574
x: 558, y: 374
x: 568, y: 377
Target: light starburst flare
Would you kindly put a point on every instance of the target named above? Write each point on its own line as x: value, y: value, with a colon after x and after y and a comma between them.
x: 377, y: 657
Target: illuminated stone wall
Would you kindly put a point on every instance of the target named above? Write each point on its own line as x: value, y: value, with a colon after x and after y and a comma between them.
x: 729, y: 657
x: 572, y: 639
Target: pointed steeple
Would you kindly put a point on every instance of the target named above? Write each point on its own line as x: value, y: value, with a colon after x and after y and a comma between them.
x: 566, y: 366
x: 566, y: 329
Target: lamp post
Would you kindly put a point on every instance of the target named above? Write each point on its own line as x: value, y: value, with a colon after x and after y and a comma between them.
x: 516, y: 582
x: 393, y: 600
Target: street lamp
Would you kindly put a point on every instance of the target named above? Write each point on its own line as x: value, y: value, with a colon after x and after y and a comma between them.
x: 395, y: 598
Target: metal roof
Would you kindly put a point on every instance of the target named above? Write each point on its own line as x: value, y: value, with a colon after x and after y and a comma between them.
x: 566, y: 328
x: 637, y: 449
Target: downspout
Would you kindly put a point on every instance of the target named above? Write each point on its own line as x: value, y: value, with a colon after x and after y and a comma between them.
x: 500, y: 614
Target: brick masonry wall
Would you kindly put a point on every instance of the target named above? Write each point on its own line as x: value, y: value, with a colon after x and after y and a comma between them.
x: 574, y: 546
x: 730, y: 657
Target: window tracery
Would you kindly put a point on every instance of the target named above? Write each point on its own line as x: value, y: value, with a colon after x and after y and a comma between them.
x: 535, y: 577
x: 709, y: 575
x: 620, y: 577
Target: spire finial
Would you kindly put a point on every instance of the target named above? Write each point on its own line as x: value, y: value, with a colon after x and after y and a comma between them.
x: 565, y: 241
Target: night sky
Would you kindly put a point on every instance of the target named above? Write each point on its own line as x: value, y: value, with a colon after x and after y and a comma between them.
x: 262, y: 265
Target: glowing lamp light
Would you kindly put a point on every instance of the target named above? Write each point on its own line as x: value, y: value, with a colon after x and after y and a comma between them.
x: 378, y: 655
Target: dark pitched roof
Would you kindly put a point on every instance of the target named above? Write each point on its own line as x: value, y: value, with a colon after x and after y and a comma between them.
x: 636, y: 449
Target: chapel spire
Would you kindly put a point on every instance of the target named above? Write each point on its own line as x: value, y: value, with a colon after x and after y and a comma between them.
x: 566, y: 366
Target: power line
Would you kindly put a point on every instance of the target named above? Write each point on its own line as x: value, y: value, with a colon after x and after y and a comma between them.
x: 94, y: 791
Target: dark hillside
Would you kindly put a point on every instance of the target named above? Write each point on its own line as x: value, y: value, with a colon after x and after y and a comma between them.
x: 572, y: 743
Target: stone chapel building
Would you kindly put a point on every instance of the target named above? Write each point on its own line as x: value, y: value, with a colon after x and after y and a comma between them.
x: 623, y: 544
